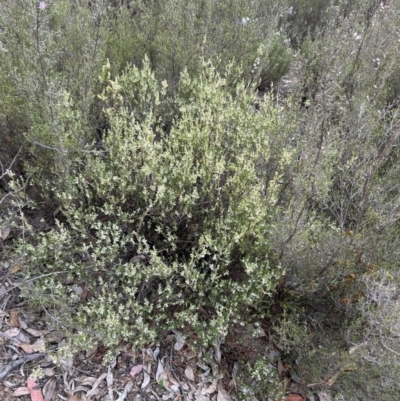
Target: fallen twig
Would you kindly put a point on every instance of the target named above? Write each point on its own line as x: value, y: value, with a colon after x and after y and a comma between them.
x: 19, y: 362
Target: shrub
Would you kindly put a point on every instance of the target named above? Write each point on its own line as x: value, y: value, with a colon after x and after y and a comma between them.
x: 49, y: 56
x: 163, y: 228
x: 178, y: 35
x: 339, y: 221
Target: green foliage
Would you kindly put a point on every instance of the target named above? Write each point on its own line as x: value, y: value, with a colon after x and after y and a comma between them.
x: 178, y: 35
x: 165, y: 228
x: 173, y: 196
x: 259, y: 379
x: 49, y: 57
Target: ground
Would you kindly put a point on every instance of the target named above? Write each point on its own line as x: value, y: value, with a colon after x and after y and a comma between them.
x: 170, y: 370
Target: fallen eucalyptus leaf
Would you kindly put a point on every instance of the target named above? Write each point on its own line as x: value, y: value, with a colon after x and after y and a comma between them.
x: 160, y: 370
x: 127, y: 389
x: 49, y: 389
x: 223, y: 395
x: 210, y: 389
x: 135, y: 370
x: 5, y: 232
x: 146, y: 379
x: 180, y: 341
x: 12, y: 332
x: 31, y: 348
x: 189, y: 373
x: 20, y: 391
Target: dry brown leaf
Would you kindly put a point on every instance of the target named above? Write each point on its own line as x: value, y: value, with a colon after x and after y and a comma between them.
x: 15, y: 269
x: 189, y: 373
x: 127, y: 389
x: 37, y: 333
x: 210, y: 389
x: 22, y: 323
x: 49, y: 390
x: 94, y: 390
x: 72, y: 397
x: 286, y: 383
x: 146, y: 379
x: 160, y: 370
x: 180, y: 341
x: 14, y: 321
x: 31, y: 348
x: 22, y: 337
x: 201, y: 397
x: 294, y: 397
x: 12, y: 332
x: 20, y: 391
x: 49, y: 372
x: 89, y: 381
x: 4, y: 233
x: 33, y: 332
x: 223, y: 395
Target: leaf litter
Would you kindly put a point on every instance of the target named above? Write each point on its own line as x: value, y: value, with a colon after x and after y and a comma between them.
x: 168, y: 371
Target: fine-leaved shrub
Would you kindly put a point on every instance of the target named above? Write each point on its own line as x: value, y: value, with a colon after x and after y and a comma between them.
x: 163, y: 228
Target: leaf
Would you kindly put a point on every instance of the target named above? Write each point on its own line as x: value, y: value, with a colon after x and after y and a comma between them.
x: 294, y: 397
x: 15, y: 269
x: 92, y: 392
x: 5, y: 232
x: 36, y: 394
x: 146, y: 379
x: 37, y: 333
x: 217, y: 348
x: 223, y: 395
x: 31, y: 348
x: 12, y: 332
x: 127, y: 389
x: 89, y: 381
x: 201, y: 397
x: 189, y: 373
x: 20, y: 391
x: 72, y: 397
x: 160, y: 370
x: 49, y: 389
x: 50, y: 372
x: 210, y: 389
x: 14, y: 318
x: 180, y: 341
x: 135, y: 370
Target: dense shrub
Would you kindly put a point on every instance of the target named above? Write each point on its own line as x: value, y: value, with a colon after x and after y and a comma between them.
x: 164, y: 228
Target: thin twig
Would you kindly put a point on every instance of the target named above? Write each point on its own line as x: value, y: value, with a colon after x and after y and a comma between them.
x: 19, y: 362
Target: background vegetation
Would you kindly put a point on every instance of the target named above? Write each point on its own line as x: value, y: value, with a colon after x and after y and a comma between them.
x: 208, y: 163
